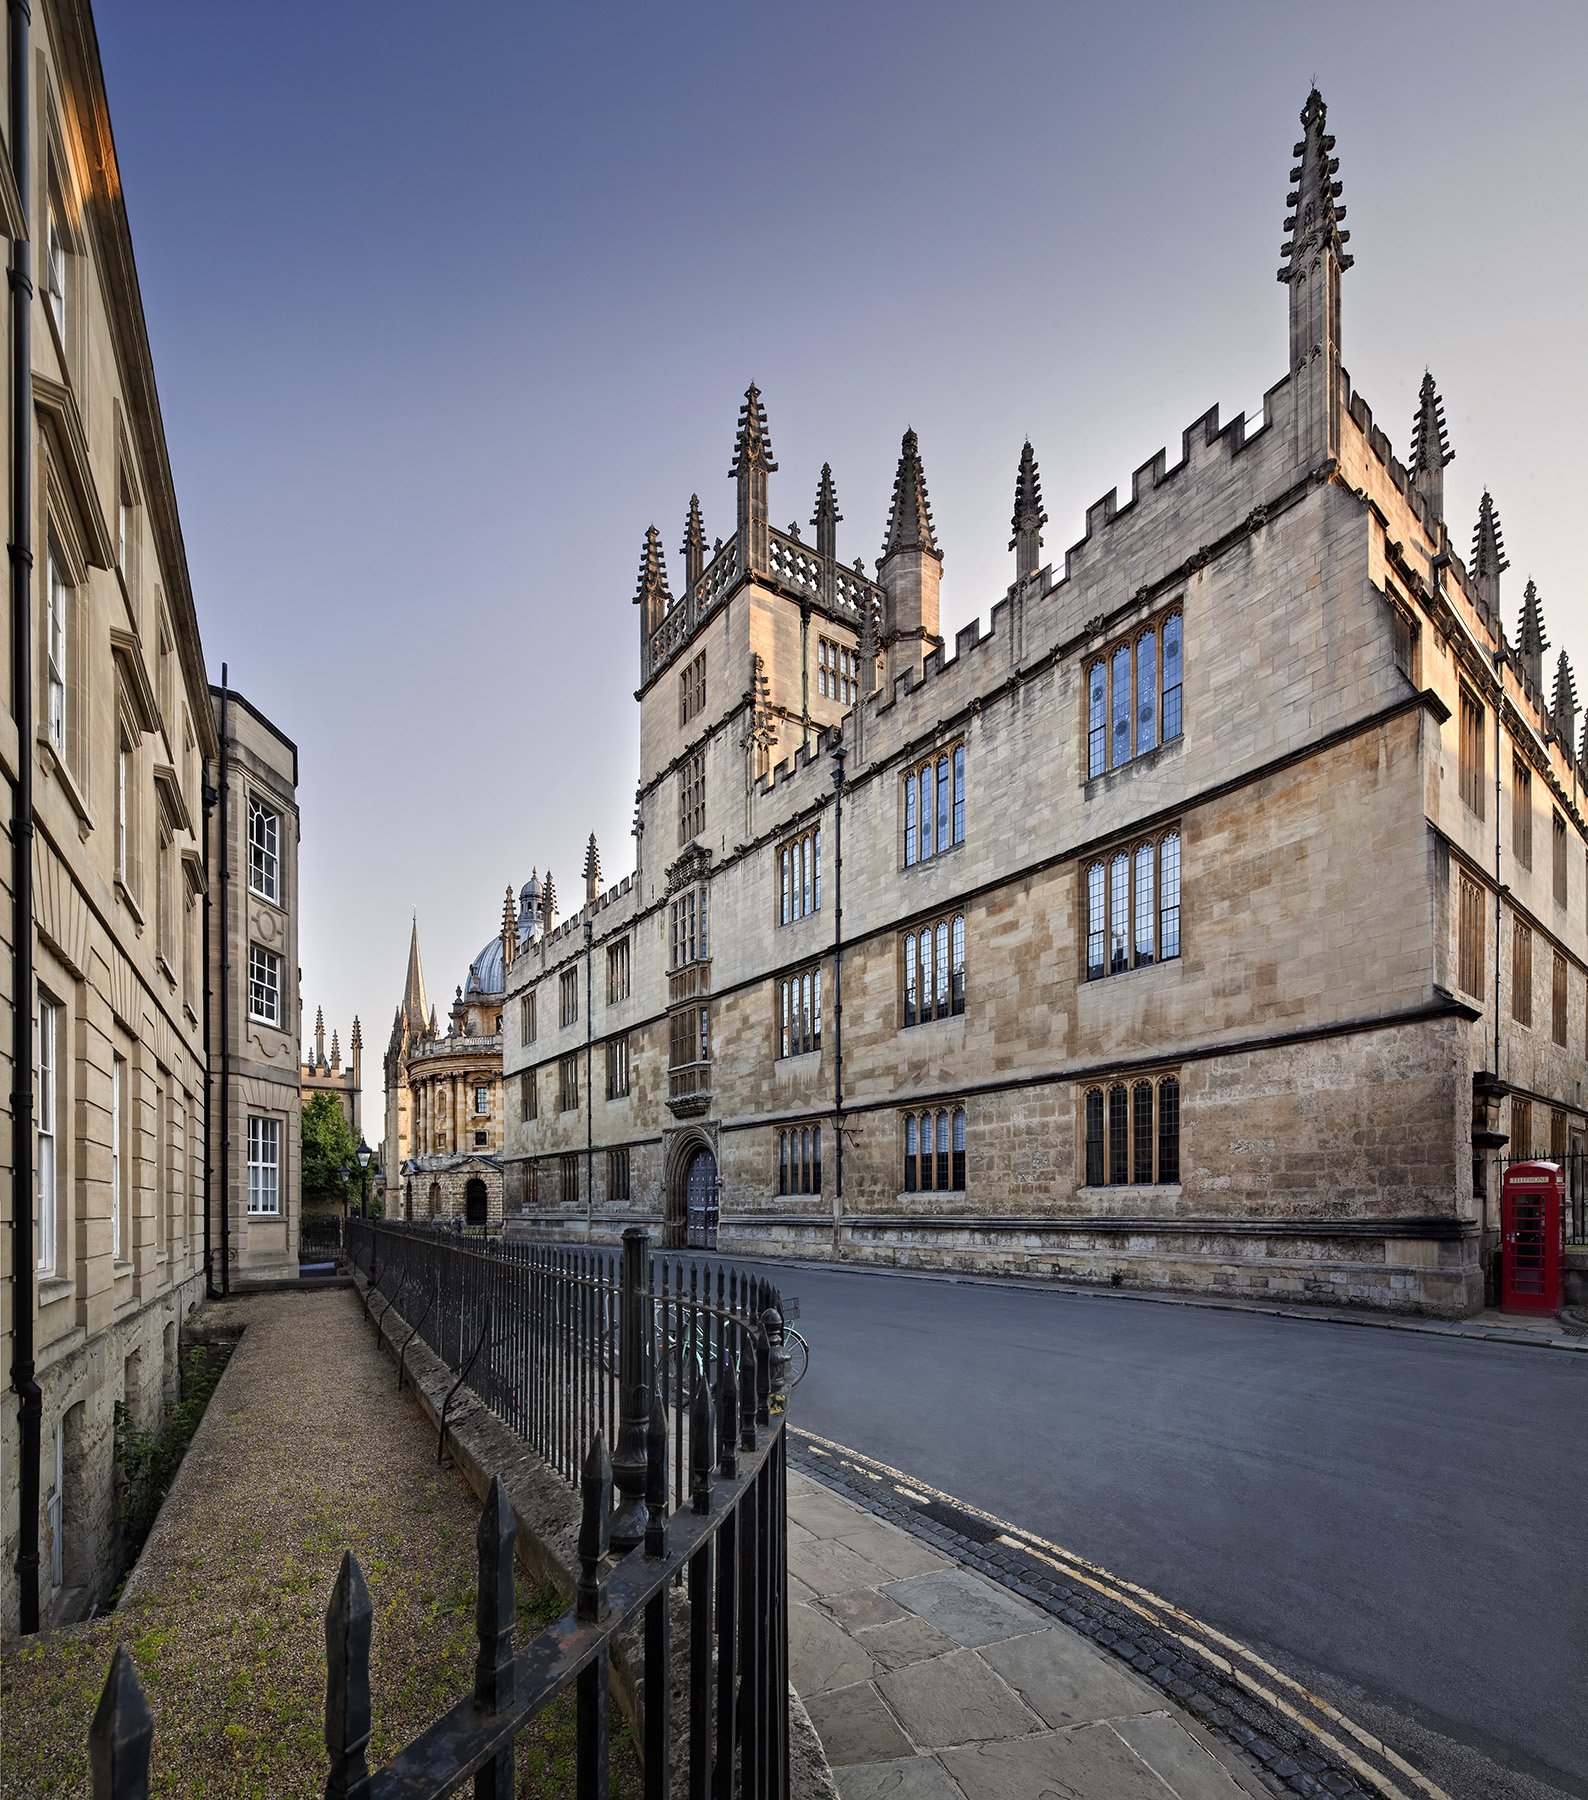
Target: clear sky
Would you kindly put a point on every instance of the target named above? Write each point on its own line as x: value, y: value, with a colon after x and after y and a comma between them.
x: 449, y: 303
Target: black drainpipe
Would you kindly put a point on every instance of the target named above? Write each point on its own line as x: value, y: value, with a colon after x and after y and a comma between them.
x: 589, y: 1079
x: 839, y: 753
x: 226, y: 989
x: 24, y: 1256
x: 210, y: 796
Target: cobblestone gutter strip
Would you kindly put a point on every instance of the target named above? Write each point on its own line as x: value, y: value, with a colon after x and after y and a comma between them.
x: 1291, y: 1761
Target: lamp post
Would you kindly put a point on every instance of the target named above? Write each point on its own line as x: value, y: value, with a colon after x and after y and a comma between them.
x: 364, y: 1154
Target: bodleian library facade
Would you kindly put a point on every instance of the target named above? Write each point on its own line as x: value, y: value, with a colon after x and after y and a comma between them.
x: 1213, y: 918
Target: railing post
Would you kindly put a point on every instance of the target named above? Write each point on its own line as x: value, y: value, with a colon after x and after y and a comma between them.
x: 595, y: 1531
x: 495, y: 1611
x: 763, y: 1374
x: 347, y: 1701
x: 772, y: 1322
x: 727, y: 1413
x: 122, y: 1734
x: 658, y: 1633
x: 628, y: 1461
x: 702, y: 1438
x: 746, y: 1388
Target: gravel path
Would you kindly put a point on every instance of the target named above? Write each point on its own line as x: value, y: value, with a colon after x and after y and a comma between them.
x: 307, y: 1450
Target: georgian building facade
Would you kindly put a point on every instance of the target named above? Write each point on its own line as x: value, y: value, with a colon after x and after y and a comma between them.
x: 255, y: 1011
x: 105, y: 737
x: 1154, y: 932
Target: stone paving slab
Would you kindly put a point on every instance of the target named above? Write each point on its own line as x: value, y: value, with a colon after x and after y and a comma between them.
x: 938, y: 1684
x: 966, y: 1607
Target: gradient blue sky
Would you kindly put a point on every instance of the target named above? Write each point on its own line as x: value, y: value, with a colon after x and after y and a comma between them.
x: 449, y: 303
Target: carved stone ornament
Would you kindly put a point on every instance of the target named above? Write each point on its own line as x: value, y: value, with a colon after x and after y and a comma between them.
x: 693, y: 866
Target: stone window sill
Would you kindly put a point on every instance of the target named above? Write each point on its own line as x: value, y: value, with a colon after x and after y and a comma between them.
x: 125, y: 895
x: 1093, y: 784
x: 56, y: 760
x: 53, y: 1288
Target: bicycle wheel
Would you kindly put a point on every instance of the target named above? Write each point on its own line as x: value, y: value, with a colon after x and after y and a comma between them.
x: 799, y: 1355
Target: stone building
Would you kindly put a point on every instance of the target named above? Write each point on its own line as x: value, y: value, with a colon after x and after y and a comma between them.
x: 257, y: 1118
x: 105, y: 737
x: 322, y: 1073
x: 441, y: 1155
x: 1157, y: 931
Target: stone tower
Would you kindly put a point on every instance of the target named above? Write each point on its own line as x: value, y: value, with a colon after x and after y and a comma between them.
x: 910, y: 570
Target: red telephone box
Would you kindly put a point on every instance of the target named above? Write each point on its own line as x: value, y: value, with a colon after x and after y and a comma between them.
x: 1533, y: 1230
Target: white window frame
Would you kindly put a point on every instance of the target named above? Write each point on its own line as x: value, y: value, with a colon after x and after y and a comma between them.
x: 123, y: 814
x: 264, y: 1167
x: 118, y: 1088
x: 55, y: 268
x: 265, y: 976
x: 46, y: 1170
x: 264, y: 850
x: 55, y: 1510
x: 57, y: 653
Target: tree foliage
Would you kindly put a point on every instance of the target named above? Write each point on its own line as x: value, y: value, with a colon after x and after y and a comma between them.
x: 328, y: 1147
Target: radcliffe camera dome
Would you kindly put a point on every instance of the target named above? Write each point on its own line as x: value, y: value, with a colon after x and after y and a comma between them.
x: 486, y: 975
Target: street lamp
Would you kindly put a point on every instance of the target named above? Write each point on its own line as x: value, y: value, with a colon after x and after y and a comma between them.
x: 364, y: 1154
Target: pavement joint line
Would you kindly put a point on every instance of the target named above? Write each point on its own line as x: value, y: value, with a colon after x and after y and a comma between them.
x: 1454, y: 1329
x: 1343, y: 1751
x: 1140, y: 1601
x: 1143, y: 1601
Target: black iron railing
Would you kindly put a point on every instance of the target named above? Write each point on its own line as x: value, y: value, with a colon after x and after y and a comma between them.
x: 548, y: 1315
x: 537, y: 1330
x: 319, y: 1237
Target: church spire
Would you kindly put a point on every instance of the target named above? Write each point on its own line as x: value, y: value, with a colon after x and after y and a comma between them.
x: 355, y: 1045
x: 336, y: 1053
x: 1029, y: 518
x: 1315, y: 257
x: 509, y: 930
x: 592, y: 872
x: 826, y: 516
x: 752, y: 463
x: 910, y: 515
x: 1531, y: 643
x: 1488, y: 557
x: 1431, y: 450
x: 415, y: 1007
x: 1563, y: 709
x: 548, y: 905
x: 319, y: 1036
x: 694, y: 546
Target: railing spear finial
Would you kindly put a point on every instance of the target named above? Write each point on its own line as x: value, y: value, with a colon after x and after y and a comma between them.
x: 656, y: 1473
x: 595, y: 1528
x: 122, y: 1734
x: 348, y: 1621
x: 727, y: 1412
x: 702, y: 1445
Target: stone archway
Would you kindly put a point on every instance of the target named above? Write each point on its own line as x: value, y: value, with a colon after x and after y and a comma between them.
x: 691, y: 1161
x: 476, y: 1202
x: 435, y: 1199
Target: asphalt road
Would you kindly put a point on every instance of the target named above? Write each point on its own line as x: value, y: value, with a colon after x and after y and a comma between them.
x: 1402, y: 1519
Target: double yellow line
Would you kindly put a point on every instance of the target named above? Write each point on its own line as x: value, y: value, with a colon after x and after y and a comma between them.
x: 1349, y: 1742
